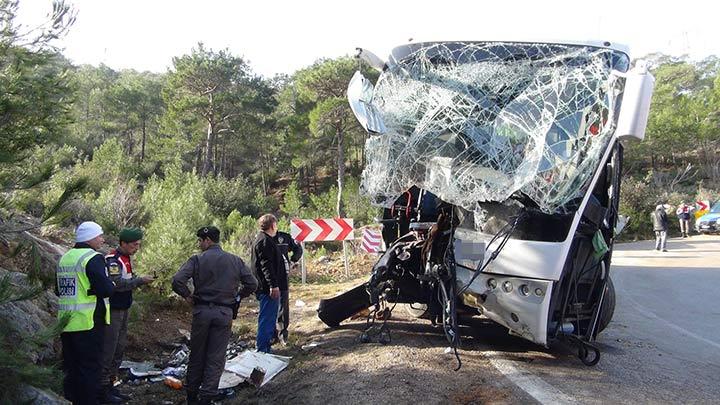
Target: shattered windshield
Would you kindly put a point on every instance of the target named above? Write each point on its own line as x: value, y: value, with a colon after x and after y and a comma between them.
x: 475, y: 122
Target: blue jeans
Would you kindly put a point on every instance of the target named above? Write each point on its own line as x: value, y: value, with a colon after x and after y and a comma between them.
x: 266, y: 322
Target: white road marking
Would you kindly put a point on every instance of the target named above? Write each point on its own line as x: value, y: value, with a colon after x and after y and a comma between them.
x: 529, y: 382
x: 680, y: 329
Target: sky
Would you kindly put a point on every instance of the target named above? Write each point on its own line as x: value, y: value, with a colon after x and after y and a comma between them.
x: 277, y: 36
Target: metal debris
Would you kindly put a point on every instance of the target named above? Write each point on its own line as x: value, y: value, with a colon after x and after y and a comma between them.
x: 180, y: 356
x: 140, y: 369
x: 185, y: 333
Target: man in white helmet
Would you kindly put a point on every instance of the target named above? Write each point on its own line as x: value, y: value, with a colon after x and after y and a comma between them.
x: 83, y: 288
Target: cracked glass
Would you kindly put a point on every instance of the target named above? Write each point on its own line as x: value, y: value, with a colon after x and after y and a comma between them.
x: 478, y: 122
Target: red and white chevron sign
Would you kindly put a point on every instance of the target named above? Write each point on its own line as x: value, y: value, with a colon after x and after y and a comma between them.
x: 371, y: 240
x: 317, y: 230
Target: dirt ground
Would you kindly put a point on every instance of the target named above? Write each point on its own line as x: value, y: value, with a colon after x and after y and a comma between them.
x: 413, y: 368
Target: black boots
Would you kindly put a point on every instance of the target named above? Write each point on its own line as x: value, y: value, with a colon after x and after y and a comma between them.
x: 119, y: 394
x: 108, y: 397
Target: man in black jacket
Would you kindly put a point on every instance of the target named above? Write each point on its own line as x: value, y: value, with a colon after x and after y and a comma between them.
x: 660, y: 226
x: 286, y: 244
x: 269, y: 268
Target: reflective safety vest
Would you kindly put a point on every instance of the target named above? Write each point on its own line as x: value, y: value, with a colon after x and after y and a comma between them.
x: 73, y: 285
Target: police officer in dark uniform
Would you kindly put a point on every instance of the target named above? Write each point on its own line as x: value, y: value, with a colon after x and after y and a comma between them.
x: 217, y: 276
x: 120, y: 270
x: 286, y: 244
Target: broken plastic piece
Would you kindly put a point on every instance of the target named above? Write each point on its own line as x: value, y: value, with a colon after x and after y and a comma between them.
x: 178, y: 372
x: 173, y: 383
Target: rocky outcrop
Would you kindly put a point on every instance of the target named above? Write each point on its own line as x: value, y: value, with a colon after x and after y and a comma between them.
x: 48, y: 254
x: 36, y: 396
x: 28, y: 262
x: 29, y: 317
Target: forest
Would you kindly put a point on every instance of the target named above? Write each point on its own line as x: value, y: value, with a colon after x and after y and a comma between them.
x: 212, y: 142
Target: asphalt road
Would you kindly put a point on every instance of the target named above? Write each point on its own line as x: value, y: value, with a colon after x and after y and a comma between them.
x: 662, y: 346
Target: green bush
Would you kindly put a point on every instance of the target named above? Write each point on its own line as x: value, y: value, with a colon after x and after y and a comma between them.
x: 293, y: 202
x: 117, y: 206
x: 264, y: 204
x: 637, y: 201
x: 176, y: 208
x: 357, y: 206
x: 109, y: 163
x: 241, y: 231
x: 36, y: 176
x: 223, y: 196
x: 323, y: 205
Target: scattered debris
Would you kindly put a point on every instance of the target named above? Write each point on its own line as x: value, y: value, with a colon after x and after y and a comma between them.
x: 242, y: 366
x: 180, y: 356
x: 173, y: 383
x: 235, y: 347
x: 299, y: 303
x: 253, y: 367
x: 185, y: 333
x: 140, y: 370
x: 310, y: 345
x: 178, y: 372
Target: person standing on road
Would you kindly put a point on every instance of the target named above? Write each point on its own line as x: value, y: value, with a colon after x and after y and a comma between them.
x: 217, y: 276
x: 83, y: 289
x: 660, y: 226
x: 286, y: 244
x: 268, y: 266
x: 683, y: 213
x: 121, y: 273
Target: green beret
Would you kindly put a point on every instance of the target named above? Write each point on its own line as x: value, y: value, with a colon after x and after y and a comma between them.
x: 130, y: 234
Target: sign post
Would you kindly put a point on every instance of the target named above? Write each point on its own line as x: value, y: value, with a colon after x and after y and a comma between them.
x: 303, y: 269
x: 322, y: 230
x: 345, y: 259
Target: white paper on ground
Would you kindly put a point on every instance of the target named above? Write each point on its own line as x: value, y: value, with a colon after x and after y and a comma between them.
x: 229, y: 380
x: 243, y: 364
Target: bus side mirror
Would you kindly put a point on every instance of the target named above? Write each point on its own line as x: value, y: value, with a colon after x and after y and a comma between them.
x: 635, y: 108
